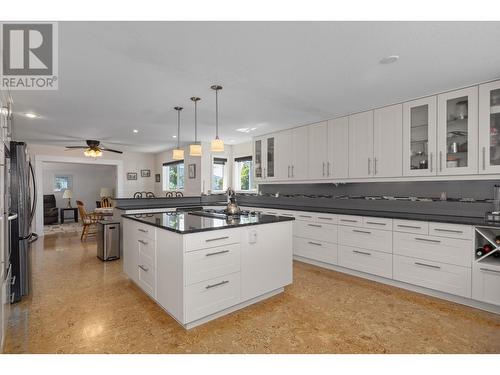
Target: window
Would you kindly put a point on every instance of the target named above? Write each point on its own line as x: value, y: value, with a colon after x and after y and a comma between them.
x: 62, y: 183
x: 173, y: 176
x: 219, y: 182
x: 243, y: 174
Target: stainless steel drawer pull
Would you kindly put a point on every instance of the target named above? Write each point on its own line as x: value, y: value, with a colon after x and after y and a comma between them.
x: 142, y: 230
x: 307, y: 216
x: 315, y: 225
x: 427, y: 265
x: 218, y: 284
x: 217, y: 239
x: 143, y: 242
x: 427, y: 240
x: 489, y: 270
x: 448, y: 230
x: 409, y: 226
x: 375, y: 223
x: 361, y: 231
x: 271, y: 213
x: 216, y: 253
x: 349, y: 220
x: 361, y: 252
x: 145, y: 269
x: 314, y: 243
x: 287, y: 215
x: 325, y: 218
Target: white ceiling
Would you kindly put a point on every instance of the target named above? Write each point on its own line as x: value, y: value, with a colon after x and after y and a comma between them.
x: 118, y: 76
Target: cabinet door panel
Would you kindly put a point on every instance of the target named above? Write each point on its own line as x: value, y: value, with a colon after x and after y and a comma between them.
x: 457, y: 132
x: 258, y: 157
x: 299, y: 153
x: 283, y: 155
x: 419, y: 137
x: 388, y: 141
x: 361, y: 145
x: 318, y: 146
x: 338, y: 148
x: 489, y: 127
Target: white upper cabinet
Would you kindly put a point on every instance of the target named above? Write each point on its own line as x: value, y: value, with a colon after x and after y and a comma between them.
x: 361, y: 145
x: 318, y: 150
x: 300, y: 155
x: 489, y: 127
x: 419, y: 137
x: 265, y: 157
x: 283, y: 155
x: 457, y: 132
x: 337, y: 165
x: 388, y: 141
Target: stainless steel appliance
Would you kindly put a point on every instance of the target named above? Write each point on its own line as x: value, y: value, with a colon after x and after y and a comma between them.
x: 22, y: 204
x: 108, y: 240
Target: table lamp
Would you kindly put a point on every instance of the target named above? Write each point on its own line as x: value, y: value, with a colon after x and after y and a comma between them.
x: 106, y: 193
x: 68, y: 194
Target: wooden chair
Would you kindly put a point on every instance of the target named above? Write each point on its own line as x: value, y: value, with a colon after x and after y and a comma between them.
x: 106, y: 202
x: 89, y: 220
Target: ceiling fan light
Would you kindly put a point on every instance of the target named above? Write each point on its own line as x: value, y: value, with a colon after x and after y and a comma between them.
x: 217, y: 145
x: 91, y: 153
x: 178, y: 154
x: 195, y: 150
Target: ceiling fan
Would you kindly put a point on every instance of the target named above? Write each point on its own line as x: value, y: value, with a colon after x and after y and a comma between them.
x: 92, y: 149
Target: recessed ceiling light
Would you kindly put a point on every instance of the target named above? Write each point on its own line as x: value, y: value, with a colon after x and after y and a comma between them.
x: 135, y: 131
x: 31, y: 115
x: 389, y: 59
x: 174, y: 136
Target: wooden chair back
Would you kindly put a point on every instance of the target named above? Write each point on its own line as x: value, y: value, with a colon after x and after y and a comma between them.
x: 106, y: 202
x: 83, y: 212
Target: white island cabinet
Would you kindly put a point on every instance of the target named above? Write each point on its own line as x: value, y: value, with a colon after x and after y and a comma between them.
x: 197, y: 277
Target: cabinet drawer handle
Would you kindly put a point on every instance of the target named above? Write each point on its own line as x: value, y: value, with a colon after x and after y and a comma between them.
x: 143, y: 242
x: 142, y: 230
x: 448, y: 230
x: 374, y: 166
x: 349, y: 220
x: 13, y: 280
x: 427, y: 240
x: 217, y: 239
x: 271, y: 213
x: 427, y: 265
x: 430, y: 162
x: 375, y: 223
x: 361, y: 231
x: 307, y: 216
x: 328, y: 169
x: 287, y: 215
x: 323, y: 169
x: 361, y: 252
x: 409, y: 226
x: 440, y: 161
x: 288, y: 171
x: 315, y: 225
x: 145, y: 269
x: 216, y: 253
x: 489, y: 270
x: 369, y: 166
x: 325, y: 218
x: 484, y: 158
x: 218, y: 284
x: 314, y: 243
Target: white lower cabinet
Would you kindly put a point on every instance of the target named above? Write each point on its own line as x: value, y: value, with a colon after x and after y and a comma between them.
x: 317, y: 250
x: 486, y: 283
x: 316, y: 231
x: 433, y: 275
x: 370, y: 261
x: 364, y: 238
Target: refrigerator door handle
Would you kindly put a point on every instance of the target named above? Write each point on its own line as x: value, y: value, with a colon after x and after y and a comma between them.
x: 32, y: 213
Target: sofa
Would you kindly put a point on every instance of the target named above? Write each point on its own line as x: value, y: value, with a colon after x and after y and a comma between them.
x: 50, y: 211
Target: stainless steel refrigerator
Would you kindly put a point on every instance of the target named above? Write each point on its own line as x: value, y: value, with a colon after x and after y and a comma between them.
x: 22, y: 203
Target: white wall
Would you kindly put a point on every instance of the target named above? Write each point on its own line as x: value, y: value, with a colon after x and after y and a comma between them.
x: 132, y: 162
x: 87, y: 181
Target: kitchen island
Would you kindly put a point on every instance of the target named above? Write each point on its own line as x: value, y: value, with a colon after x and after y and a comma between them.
x: 201, y: 265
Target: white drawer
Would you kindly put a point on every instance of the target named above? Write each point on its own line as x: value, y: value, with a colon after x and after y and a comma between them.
x: 147, y: 247
x: 315, y: 231
x: 287, y: 214
x: 327, y: 218
x: 145, y: 230
x: 486, y: 283
x: 209, y: 297
x: 204, y: 240
x: 439, y: 249
x: 271, y: 212
x: 411, y: 226
x: 305, y: 216
x: 147, y: 278
x: 451, y: 230
x: 373, y: 239
x: 377, y: 223
x: 369, y: 261
x: 316, y: 250
x: 433, y: 275
x: 210, y: 263
x: 354, y: 221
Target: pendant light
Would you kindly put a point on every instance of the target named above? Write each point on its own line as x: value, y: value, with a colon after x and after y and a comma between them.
x: 217, y: 144
x: 195, y: 148
x: 178, y: 153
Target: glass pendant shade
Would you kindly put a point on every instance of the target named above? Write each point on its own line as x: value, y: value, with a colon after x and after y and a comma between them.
x: 195, y: 150
x: 178, y: 154
x: 91, y: 153
x: 217, y: 145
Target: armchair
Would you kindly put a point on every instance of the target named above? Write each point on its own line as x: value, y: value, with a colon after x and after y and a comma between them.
x: 50, y: 211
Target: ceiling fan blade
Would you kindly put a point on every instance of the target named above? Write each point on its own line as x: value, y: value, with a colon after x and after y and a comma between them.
x: 110, y: 150
x: 81, y: 147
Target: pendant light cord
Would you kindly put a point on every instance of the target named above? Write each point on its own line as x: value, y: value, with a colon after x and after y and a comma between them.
x: 217, y: 114
x: 178, y: 129
x: 195, y: 122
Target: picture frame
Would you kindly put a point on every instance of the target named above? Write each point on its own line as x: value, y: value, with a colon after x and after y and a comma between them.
x: 192, y: 171
x: 157, y: 177
x: 145, y: 173
x: 131, y: 175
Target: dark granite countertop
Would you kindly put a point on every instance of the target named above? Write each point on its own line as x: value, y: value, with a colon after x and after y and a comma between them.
x: 165, y: 205
x: 185, y: 222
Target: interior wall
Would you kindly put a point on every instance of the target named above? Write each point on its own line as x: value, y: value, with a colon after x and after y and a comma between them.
x: 87, y: 181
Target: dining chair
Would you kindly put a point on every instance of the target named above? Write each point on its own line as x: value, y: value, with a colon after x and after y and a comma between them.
x: 106, y: 202
x: 89, y: 220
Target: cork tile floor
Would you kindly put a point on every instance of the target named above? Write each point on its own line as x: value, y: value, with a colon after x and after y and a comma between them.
x: 82, y: 305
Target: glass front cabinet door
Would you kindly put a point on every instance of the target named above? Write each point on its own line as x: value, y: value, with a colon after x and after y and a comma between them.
x: 264, y: 157
x: 419, y: 137
x: 457, y: 132
x: 258, y: 158
x: 489, y: 127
